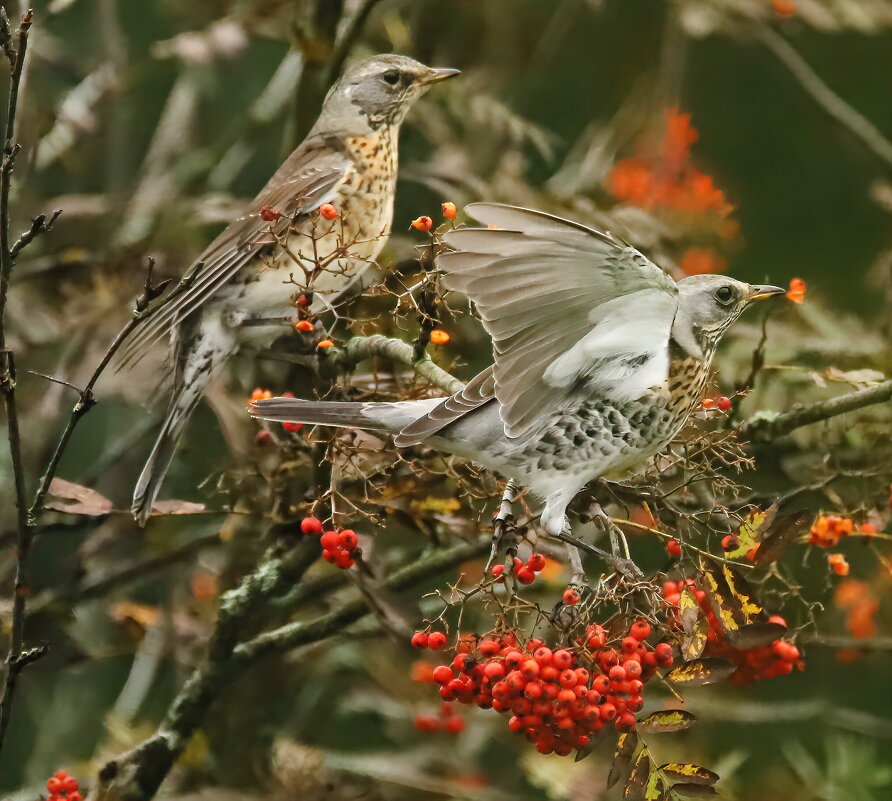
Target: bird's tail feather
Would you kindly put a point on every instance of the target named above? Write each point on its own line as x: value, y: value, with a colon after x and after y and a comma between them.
x: 383, y: 417
x: 182, y: 404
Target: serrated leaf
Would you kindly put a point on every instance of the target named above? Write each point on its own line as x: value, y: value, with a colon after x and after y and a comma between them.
x: 622, y: 757
x: 654, y: 789
x: 634, y: 789
x: 691, y: 790
x: 706, y: 670
x: 694, y: 625
x: 666, y: 721
x: 743, y: 595
x: 755, y: 635
x: 751, y: 532
x: 721, y: 599
x: 688, y: 772
x: 783, y: 533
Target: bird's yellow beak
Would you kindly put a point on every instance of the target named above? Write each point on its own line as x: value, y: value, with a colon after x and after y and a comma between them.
x: 760, y: 291
x: 439, y: 74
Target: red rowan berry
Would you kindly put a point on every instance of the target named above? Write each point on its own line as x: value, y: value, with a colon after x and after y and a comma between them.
x: 608, y: 711
x: 530, y: 669
x: 640, y: 630
x: 617, y: 673
x: 292, y: 428
x: 436, y: 640
x: 449, y: 210
x: 673, y: 548
x: 325, y: 344
x: 311, y: 526
x: 303, y: 326
x: 543, y: 655
x: 525, y: 575
x: 663, y: 653
x: 494, y: 671
x: 328, y: 211
x: 730, y: 542
x: 562, y: 659
x: 269, y: 213
x: 629, y: 645
x: 329, y: 540
x: 601, y: 684
x: 724, y: 404
x: 348, y: 539
x: 537, y: 561
x: 422, y: 223
x: 419, y: 639
x: 426, y: 723
x: 488, y: 647
x: 632, y: 668
x: 625, y: 722
x: 439, y: 336
x: 570, y: 597
x: 497, y: 570
x: 54, y: 785
x: 442, y: 674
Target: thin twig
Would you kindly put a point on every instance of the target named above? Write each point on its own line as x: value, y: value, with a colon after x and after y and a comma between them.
x: 348, y: 40
x: 822, y: 94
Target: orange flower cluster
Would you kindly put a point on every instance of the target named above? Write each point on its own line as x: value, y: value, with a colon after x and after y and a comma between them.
x: 796, y: 292
x: 854, y: 596
x: 666, y: 179
x: 700, y: 261
x: 827, y: 530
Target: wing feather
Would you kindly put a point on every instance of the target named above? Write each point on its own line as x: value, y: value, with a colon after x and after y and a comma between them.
x: 566, y: 307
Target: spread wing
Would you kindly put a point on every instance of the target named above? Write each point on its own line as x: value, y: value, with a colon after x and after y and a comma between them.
x: 569, y: 309
x: 306, y: 180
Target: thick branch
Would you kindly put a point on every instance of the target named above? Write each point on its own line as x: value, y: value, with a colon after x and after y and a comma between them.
x: 137, y: 775
x: 764, y: 426
x: 359, y: 348
x: 823, y: 95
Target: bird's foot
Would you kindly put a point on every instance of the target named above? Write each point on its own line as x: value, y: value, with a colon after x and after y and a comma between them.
x: 504, y: 533
x: 618, y: 543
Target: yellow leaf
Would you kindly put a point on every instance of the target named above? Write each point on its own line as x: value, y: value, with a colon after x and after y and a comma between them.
x: 667, y: 721
x: 687, y: 772
x: 701, y: 671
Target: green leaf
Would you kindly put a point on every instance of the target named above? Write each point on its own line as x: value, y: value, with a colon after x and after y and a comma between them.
x: 654, y: 789
x: 666, y: 721
x: 707, y: 670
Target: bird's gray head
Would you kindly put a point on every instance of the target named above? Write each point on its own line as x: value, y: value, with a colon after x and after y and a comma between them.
x: 377, y: 91
x: 708, y: 304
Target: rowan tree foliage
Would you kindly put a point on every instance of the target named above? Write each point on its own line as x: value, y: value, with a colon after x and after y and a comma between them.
x: 312, y: 612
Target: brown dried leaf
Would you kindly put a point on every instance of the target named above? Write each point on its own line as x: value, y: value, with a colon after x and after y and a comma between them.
x: 667, y: 720
x: 783, y: 533
x: 76, y: 499
x: 744, y: 596
x: 634, y: 789
x: 173, y: 507
x: 692, y: 790
x: 622, y: 757
x: 707, y: 670
x: 721, y: 599
x: 688, y: 772
x: 694, y: 626
x: 755, y: 635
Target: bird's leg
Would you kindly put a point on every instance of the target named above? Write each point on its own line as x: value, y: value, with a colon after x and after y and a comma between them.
x: 503, y: 526
x: 618, y: 543
x: 577, y: 572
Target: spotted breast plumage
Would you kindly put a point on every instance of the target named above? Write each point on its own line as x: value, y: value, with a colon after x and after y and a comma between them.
x: 600, y: 357
x: 256, y: 268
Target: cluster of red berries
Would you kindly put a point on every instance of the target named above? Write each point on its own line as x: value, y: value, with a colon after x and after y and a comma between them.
x: 524, y: 572
x: 753, y: 664
x: 446, y: 721
x: 265, y: 394
x: 63, y: 787
x: 554, y: 699
x: 435, y: 640
x: 339, y: 548
x: 723, y: 403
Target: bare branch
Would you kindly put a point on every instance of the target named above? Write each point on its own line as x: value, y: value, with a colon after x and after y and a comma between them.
x: 763, y: 427
x: 39, y: 225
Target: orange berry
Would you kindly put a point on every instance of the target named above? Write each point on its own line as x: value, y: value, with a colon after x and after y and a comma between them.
x: 708, y: 403
x: 261, y: 394
x: 784, y: 8
x: 328, y: 211
x: 449, y: 210
x: 303, y: 325
x: 269, y: 213
x: 325, y: 343
x: 422, y: 224
x: 796, y: 292
x: 839, y: 564
x: 439, y: 336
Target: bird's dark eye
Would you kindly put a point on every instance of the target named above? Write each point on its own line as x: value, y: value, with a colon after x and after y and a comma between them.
x: 724, y: 294
x: 392, y: 77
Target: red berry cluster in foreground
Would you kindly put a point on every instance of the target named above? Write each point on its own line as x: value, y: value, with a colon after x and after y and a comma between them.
x: 447, y: 721
x: 525, y: 572
x: 62, y: 787
x: 753, y: 664
x: 553, y: 698
x: 340, y: 548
